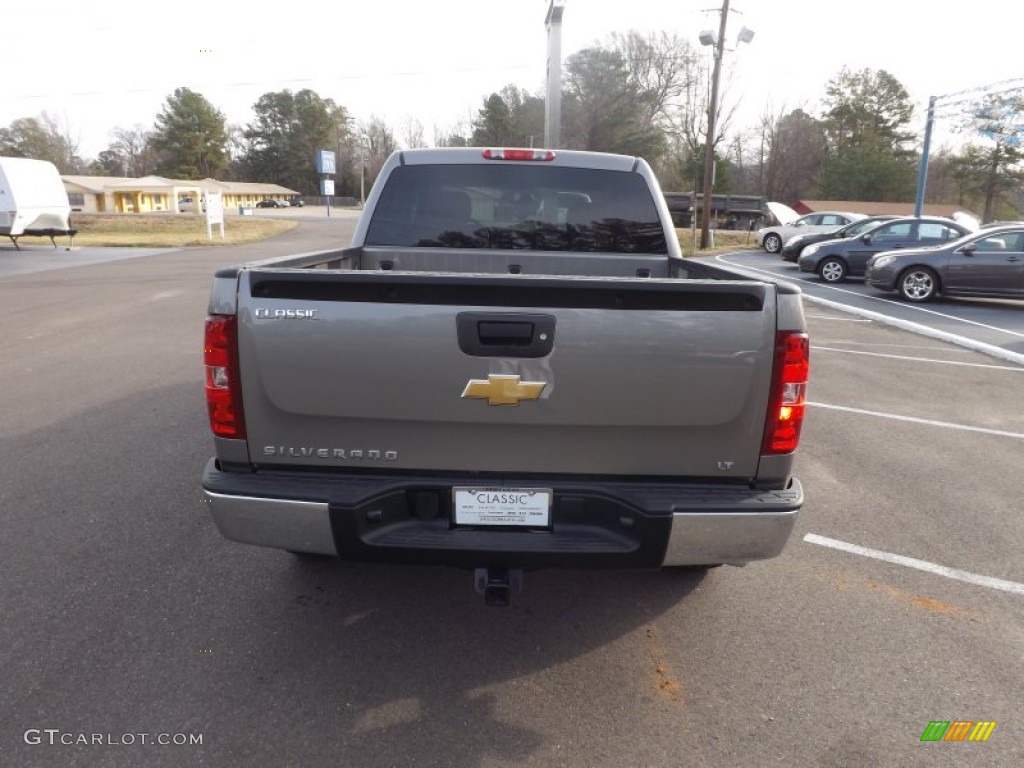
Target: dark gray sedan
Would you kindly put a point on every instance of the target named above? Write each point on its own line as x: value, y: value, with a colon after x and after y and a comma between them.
x: 989, y: 262
x: 835, y: 260
x: 795, y: 245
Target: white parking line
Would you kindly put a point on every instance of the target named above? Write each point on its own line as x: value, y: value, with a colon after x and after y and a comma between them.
x: 883, y: 299
x: 849, y: 343
x: 916, y: 420
x: 907, y: 325
x: 1016, y: 369
x: 841, y: 319
x: 922, y: 565
x: 915, y: 307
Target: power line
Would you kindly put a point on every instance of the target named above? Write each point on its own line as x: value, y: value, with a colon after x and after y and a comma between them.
x: 979, y: 93
x: 272, y: 83
x: 648, y: 60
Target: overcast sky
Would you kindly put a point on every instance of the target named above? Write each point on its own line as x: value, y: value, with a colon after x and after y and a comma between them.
x: 96, y: 67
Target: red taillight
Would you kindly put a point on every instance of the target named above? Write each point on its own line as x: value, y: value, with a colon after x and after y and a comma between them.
x: 518, y: 154
x: 788, y: 395
x: 223, y: 386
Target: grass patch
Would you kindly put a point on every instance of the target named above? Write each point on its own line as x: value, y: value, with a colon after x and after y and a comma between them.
x: 169, y: 230
x: 175, y: 231
x: 725, y: 240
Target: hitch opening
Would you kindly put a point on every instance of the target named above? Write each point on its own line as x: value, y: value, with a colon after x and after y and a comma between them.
x: 497, y: 585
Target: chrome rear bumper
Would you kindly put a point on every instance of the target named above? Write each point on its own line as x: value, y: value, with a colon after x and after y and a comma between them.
x: 630, y: 525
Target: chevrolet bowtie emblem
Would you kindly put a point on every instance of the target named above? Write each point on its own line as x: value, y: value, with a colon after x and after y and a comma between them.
x: 503, y: 390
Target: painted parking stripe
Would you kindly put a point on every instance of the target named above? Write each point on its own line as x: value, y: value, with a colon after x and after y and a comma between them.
x: 883, y: 299
x: 922, y: 565
x: 919, y: 308
x: 906, y: 325
x: 848, y: 343
x: 1014, y: 368
x: 916, y: 420
x: 840, y: 319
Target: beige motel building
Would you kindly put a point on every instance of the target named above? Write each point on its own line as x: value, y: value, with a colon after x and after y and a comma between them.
x: 117, y: 194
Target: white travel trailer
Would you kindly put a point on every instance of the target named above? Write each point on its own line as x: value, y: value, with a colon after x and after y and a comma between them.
x: 33, y: 200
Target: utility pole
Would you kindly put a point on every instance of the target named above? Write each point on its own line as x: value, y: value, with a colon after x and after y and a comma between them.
x: 553, y: 100
x: 709, y: 149
x: 922, y: 174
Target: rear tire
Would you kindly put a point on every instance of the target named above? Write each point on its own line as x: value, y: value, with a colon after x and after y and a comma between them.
x: 832, y: 270
x: 918, y: 284
x: 772, y: 242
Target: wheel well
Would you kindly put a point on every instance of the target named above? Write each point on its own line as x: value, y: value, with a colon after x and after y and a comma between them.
x: 828, y: 256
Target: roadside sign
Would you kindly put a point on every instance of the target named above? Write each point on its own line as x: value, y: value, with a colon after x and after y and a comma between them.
x: 214, y: 204
x: 325, y: 161
x: 327, y: 187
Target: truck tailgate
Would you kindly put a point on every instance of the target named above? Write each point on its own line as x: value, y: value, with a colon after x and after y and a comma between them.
x: 417, y: 371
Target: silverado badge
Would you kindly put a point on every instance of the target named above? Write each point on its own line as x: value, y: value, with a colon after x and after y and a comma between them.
x: 500, y: 389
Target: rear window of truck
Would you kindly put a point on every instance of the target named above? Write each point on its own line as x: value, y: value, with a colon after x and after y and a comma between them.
x: 518, y: 207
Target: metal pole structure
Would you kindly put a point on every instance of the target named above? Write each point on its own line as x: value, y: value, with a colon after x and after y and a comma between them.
x: 922, y: 174
x: 709, y: 149
x: 553, y: 100
x: 362, y: 178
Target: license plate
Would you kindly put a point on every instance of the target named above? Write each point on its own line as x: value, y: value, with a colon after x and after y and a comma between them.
x: 503, y: 506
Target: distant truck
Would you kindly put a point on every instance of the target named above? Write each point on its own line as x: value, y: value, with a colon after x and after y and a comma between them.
x: 512, y: 367
x: 33, y: 200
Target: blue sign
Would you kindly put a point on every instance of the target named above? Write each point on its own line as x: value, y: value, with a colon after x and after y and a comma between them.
x: 325, y: 161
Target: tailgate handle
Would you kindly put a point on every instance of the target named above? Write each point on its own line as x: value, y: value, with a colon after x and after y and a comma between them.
x: 498, y: 334
x: 520, y: 334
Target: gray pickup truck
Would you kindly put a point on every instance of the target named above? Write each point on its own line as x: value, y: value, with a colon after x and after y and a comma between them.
x: 511, y: 367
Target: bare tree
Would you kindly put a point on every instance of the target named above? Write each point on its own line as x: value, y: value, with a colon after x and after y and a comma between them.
x: 412, y: 133
x: 455, y: 134
x: 378, y: 141
x: 792, y: 152
x: 661, y: 67
x: 743, y: 156
x: 134, y: 148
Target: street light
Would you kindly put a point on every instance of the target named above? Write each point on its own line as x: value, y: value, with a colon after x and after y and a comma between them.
x: 708, y: 37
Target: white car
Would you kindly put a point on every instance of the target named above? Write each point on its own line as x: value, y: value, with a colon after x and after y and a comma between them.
x: 773, y: 238
x: 188, y: 205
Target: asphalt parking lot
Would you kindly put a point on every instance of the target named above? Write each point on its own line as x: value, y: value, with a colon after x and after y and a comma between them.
x: 43, y: 258
x: 995, y: 326
x: 897, y: 602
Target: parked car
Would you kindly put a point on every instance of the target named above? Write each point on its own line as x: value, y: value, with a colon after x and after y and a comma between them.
x: 993, y: 224
x: 271, y: 204
x: 835, y: 260
x: 989, y: 262
x: 188, y: 205
x: 772, y: 238
x: 795, y: 245
x: 298, y: 202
